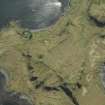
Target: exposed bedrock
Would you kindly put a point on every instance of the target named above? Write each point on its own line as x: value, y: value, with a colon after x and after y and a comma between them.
x: 97, y: 14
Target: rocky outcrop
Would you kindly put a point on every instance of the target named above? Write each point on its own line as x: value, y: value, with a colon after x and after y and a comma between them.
x: 97, y: 14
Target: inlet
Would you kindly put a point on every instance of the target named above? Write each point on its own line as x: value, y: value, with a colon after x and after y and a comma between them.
x: 32, y: 14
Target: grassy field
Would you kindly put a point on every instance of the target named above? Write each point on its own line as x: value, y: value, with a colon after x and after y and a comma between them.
x: 70, y: 51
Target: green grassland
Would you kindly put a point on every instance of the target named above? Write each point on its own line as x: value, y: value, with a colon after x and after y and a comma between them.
x: 71, y: 49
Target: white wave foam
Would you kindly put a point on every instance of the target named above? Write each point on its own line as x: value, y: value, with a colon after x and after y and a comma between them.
x: 58, y: 4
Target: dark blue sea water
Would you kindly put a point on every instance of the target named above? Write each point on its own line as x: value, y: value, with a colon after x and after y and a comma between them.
x: 32, y: 14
